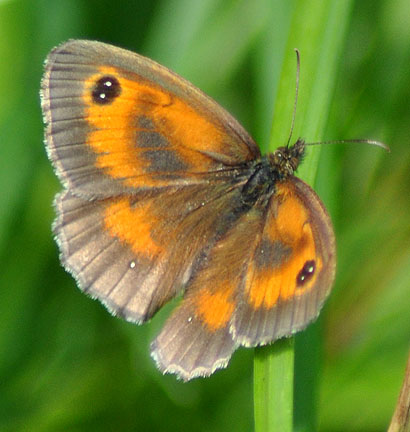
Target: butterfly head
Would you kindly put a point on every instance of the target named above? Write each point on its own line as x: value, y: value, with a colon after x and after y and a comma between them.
x: 286, y: 160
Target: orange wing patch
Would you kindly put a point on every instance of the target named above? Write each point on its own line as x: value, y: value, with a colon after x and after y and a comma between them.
x: 215, y: 309
x: 132, y: 225
x: 286, y: 263
x: 146, y: 130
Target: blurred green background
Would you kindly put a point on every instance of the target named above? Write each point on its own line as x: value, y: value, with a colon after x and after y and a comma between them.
x: 65, y: 363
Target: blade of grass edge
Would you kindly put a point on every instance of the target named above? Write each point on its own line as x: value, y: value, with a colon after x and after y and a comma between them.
x: 318, y: 31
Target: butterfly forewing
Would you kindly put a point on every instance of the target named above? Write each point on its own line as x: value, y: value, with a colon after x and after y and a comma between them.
x: 120, y: 123
x: 291, y: 270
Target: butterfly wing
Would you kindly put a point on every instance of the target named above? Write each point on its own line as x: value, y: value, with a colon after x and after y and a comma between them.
x: 292, y: 267
x: 196, y: 339
x: 266, y: 278
x: 117, y: 122
x: 135, y: 252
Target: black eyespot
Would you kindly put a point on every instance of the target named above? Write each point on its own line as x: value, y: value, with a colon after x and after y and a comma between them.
x: 106, y: 89
x: 306, y: 273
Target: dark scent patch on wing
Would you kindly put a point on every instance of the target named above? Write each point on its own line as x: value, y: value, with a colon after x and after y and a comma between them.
x: 271, y: 254
x: 150, y: 139
x: 144, y: 122
x: 164, y: 160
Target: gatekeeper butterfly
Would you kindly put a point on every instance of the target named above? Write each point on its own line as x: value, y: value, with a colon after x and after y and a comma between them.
x: 165, y: 192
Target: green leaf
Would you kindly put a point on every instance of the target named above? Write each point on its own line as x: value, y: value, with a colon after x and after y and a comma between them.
x: 318, y: 30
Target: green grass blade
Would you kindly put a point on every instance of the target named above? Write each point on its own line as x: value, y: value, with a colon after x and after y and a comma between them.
x: 273, y: 381
x: 317, y: 30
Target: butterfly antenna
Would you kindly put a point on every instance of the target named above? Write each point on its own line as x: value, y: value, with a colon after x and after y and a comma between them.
x: 296, y: 95
x: 358, y: 141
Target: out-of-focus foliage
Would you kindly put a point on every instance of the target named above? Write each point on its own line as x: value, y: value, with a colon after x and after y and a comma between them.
x: 65, y: 363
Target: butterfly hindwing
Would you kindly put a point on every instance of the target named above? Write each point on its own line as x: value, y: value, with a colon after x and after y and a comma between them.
x: 196, y: 339
x: 104, y: 265
x: 121, y: 122
x: 132, y: 252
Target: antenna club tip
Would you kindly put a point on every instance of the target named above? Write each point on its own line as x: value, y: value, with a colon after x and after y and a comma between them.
x: 386, y: 147
x: 357, y: 141
x: 378, y: 144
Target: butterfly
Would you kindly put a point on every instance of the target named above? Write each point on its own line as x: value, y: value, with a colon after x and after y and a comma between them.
x: 165, y: 194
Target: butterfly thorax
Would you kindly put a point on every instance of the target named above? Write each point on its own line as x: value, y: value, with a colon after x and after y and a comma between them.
x: 270, y: 169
